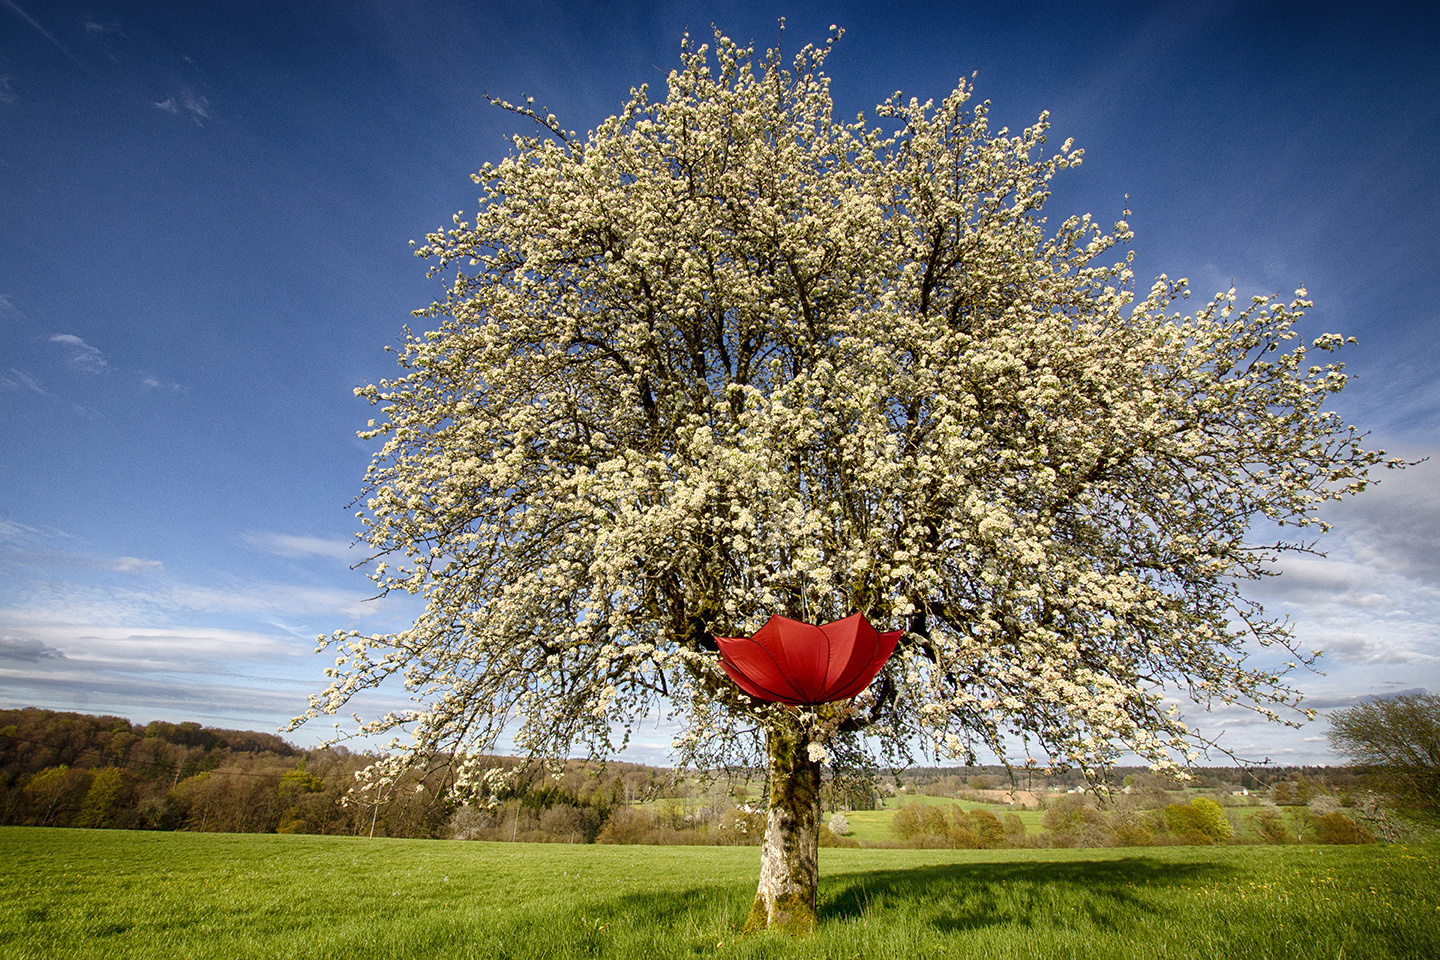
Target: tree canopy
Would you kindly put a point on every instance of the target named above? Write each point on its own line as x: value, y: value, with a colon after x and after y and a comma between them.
x: 1398, y: 739
x: 727, y: 356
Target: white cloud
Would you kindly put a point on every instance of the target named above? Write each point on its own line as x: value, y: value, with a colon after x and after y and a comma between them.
x: 20, y: 380
x: 166, y: 604
x: 291, y: 545
x: 181, y: 650
x: 82, y: 354
x: 19, y: 533
x: 197, y: 105
x: 247, y: 679
x: 1373, y: 604
x: 186, y: 101
x: 135, y: 564
x: 155, y: 383
x: 1350, y: 700
x: 24, y: 550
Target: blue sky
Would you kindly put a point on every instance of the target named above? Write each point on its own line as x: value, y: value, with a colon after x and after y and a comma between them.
x: 205, y: 212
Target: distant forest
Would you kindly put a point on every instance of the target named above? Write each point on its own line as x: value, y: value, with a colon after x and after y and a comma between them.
x: 72, y: 769
x: 77, y: 770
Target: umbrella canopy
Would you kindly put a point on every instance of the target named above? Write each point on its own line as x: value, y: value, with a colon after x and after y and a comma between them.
x: 787, y: 661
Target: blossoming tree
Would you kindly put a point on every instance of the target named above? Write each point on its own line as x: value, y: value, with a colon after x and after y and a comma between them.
x: 726, y: 357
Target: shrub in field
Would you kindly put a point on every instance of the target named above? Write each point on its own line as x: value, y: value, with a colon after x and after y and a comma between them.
x: 1074, y: 824
x: 1132, y: 835
x: 1335, y: 827
x: 1269, y: 826
x: 1014, y: 828
x: 735, y: 828
x: 927, y: 827
x: 1201, y: 816
x: 1129, y: 829
x: 962, y: 837
x: 744, y: 824
x: 468, y: 823
x: 906, y: 822
x: 1384, y: 824
x: 1062, y: 815
x: 626, y: 825
x: 839, y: 825
x: 1302, y: 822
x: 570, y: 824
x: 829, y: 838
x: 987, y: 827
x: 933, y: 821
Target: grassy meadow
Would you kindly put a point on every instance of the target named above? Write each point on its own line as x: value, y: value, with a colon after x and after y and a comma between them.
x: 69, y: 893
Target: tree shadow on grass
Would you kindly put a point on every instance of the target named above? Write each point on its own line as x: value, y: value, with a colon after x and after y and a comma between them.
x: 952, y: 898
x: 652, y: 922
x: 960, y: 897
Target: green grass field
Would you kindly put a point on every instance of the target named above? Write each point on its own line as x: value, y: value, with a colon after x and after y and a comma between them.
x: 115, y: 894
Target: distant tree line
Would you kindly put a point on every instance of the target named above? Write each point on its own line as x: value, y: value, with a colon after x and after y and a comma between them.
x: 952, y: 781
x: 77, y: 770
x: 1154, y: 817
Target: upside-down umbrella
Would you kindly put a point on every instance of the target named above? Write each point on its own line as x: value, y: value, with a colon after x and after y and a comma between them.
x: 788, y: 661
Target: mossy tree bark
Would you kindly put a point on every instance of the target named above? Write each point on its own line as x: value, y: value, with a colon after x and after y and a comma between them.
x: 790, y: 858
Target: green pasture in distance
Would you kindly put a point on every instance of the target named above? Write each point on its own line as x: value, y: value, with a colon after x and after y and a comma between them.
x: 112, y: 895
x: 875, y: 824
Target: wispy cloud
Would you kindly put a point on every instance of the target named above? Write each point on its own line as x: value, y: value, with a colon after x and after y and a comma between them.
x: 134, y: 564
x: 1334, y: 702
x: 42, y: 31
x: 186, y: 101
x: 155, y: 383
x: 82, y: 354
x: 13, y: 533
x: 173, y: 649
x: 42, y: 557
x: 20, y: 380
x: 22, y: 545
x: 1373, y: 604
x: 158, y: 601
x: 7, y: 94
x: 197, y: 105
x: 149, y: 655
x: 290, y: 545
x: 121, y: 634
x: 91, y: 27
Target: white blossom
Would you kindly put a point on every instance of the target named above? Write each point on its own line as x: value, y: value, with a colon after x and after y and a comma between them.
x: 725, y: 356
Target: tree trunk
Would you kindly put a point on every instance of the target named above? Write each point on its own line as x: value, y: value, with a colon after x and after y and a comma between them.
x: 789, y: 860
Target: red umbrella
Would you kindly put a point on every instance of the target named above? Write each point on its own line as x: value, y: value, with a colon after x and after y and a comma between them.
x: 797, y: 663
